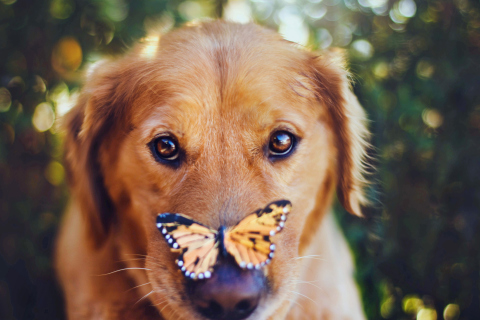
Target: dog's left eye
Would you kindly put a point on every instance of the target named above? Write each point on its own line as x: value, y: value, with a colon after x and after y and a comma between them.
x: 165, y: 148
x: 281, y: 143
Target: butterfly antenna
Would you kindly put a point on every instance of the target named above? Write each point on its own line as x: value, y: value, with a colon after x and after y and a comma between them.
x: 221, y: 238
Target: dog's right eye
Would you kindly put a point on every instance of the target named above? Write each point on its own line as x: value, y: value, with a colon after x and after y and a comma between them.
x: 281, y: 143
x: 165, y: 148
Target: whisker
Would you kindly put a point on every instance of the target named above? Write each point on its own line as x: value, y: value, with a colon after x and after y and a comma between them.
x: 308, y: 282
x: 155, y: 262
x: 136, y: 254
x: 142, y: 259
x: 297, y: 303
x: 173, y: 313
x: 313, y: 256
x: 140, y: 285
x: 161, y: 302
x: 106, y: 274
x: 133, y: 259
x: 145, y: 296
x: 164, y: 307
x: 304, y: 296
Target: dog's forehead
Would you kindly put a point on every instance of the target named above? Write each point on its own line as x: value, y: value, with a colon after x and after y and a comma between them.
x: 256, y: 91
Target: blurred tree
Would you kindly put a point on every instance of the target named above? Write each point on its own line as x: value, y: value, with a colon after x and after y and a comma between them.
x: 417, y: 71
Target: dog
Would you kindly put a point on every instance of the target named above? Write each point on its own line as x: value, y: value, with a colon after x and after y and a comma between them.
x: 214, y: 121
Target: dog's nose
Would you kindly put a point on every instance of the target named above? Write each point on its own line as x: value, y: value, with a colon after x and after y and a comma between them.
x: 231, y: 293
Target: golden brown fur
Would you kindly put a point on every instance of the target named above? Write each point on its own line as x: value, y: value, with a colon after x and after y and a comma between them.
x: 221, y: 88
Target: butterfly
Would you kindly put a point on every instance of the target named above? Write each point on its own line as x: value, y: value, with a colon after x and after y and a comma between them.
x: 249, y: 241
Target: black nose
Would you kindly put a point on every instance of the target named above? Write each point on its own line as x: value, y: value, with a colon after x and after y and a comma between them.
x: 231, y: 293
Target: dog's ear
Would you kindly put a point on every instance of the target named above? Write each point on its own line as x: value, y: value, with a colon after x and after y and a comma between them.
x: 348, y: 121
x: 101, y: 107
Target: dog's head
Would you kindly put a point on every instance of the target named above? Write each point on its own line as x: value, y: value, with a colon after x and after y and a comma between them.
x: 215, y: 121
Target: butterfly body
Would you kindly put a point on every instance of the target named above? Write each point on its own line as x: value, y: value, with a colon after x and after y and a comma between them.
x: 249, y: 241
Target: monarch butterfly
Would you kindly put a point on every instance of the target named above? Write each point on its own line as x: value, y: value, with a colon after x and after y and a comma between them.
x: 249, y: 241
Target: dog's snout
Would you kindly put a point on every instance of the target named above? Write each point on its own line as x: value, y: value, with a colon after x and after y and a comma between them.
x: 231, y: 293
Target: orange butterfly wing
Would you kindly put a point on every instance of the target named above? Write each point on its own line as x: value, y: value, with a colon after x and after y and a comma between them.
x: 197, y: 243
x: 249, y: 242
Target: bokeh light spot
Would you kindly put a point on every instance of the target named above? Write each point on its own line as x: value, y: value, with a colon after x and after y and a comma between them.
x: 362, y: 49
x: 451, y: 312
x: 54, y: 173
x: 191, y: 10
x: 8, y: 2
x: 39, y: 85
x: 63, y: 99
x: 373, y: 3
x: 342, y: 35
x: 386, y: 309
x: 295, y: 33
x: 432, y: 118
x: 116, y: 10
x: 324, y: 38
x: 427, y: 314
x: 407, y: 8
x: 238, y: 11
x: 61, y: 9
x: 424, y: 69
x: 263, y: 10
x: 5, y: 100
x: 380, y: 70
x: 396, y: 15
x: 411, y: 304
x: 316, y: 11
x: 150, y: 46
x: 292, y: 26
x: 66, y: 55
x: 43, y: 117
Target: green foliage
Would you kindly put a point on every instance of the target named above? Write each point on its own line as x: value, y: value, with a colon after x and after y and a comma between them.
x: 417, y: 72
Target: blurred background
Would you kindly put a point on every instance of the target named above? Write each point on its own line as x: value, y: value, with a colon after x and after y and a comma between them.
x: 416, y: 65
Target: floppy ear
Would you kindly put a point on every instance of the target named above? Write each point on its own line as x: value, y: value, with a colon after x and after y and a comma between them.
x: 101, y: 107
x: 348, y: 121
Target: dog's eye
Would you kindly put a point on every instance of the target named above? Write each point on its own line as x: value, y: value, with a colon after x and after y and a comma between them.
x: 281, y: 143
x: 166, y: 148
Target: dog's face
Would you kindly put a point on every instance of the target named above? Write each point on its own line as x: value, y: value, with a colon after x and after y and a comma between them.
x: 217, y: 121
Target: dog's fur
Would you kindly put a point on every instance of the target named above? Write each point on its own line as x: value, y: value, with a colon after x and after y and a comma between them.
x: 221, y: 89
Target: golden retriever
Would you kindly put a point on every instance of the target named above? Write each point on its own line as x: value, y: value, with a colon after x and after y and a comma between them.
x: 213, y: 120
